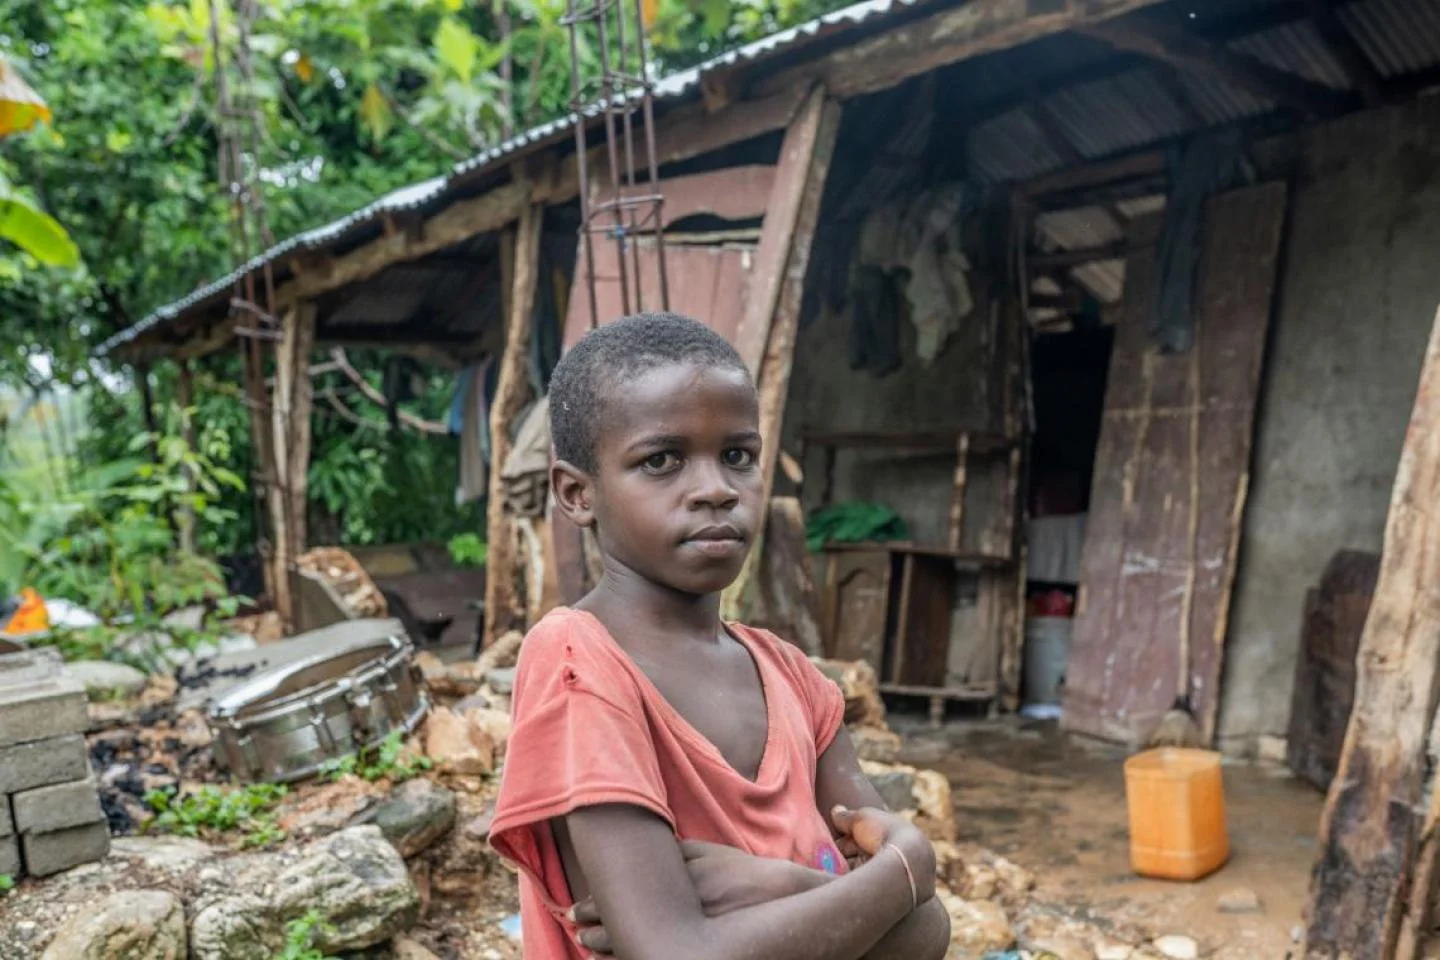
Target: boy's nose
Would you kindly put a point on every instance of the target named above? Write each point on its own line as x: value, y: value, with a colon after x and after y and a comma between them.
x: 712, y: 489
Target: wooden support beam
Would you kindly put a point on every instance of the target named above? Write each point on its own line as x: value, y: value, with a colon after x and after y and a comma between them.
x: 504, y: 608
x: 821, y: 114
x: 1347, y: 52
x: 291, y: 403
x: 949, y: 36
x: 777, y: 233
x: 1370, y: 830
x: 458, y: 222
x: 1095, y: 174
x: 1218, y: 62
x: 185, y: 399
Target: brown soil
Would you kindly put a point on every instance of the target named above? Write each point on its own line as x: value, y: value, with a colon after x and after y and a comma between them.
x: 1056, y: 806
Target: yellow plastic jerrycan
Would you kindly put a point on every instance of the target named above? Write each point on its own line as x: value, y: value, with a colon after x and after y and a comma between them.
x: 1176, y: 800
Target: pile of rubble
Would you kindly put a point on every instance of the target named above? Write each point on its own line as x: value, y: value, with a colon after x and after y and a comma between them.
x: 404, y: 869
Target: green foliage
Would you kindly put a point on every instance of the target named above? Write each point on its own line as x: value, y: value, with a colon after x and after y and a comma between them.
x: 468, y: 550
x: 33, y: 230
x: 219, y: 810
x: 386, y: 760
x: 7, y: 883
x: 106, y: 542
x: 854, y: 523
x: 300, y: 936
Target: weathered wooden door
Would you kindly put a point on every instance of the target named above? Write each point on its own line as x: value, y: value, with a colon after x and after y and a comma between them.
x: 1170, y: 480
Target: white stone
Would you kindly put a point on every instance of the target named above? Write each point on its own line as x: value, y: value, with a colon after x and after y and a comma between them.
x: 1178, y: 947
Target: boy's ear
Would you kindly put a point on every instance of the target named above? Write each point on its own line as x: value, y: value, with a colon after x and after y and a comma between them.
x: 574, y: 492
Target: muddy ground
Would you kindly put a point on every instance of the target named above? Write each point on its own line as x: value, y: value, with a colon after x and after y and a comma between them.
x: 1056, y: 806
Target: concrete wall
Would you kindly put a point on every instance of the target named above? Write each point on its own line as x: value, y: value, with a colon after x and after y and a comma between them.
x: 826, y: 395
x: 1359, y: 286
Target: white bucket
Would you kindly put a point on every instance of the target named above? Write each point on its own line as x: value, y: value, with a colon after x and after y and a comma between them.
x: 1047, y: 650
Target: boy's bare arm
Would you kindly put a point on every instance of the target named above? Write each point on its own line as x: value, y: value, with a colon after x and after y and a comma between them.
x: 636, y: 873
x: 839, y: 781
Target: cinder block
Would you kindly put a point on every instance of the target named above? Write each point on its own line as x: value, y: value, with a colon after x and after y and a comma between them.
x: 7, y: 825
x: 25, y: 766
x: 47, y: 853
x: 38, y: 699
x: 10, y: 857
x: 47, y: 809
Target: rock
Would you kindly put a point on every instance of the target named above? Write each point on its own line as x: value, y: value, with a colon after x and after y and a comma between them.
x: 329, y: 808
x: 936, y: 811
x: 976, y: 928
x: 501, y: 680
x: 857, y: 681
x: 1114, y: 951
x: 416, y: 815
x: 1177, y: 947
x: 104, y: 679
x: 355, y: 880
x: 160, y: 852
x: 130, y: 925
x: 895, y: 784
x: 476, y: 701
x: 407, y: 949
x: 502, y: 653
x: 1063, y: 947
x: 455, y: 746
x: 1239, y: 900
x: 875, y: 744
x: 492, y: 726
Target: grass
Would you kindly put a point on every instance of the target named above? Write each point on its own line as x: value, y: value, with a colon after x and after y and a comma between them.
x: 219, y: 810
x: 300, y: 939
x: 383, y: 761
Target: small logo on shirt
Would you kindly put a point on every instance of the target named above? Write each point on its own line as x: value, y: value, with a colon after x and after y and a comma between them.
x: 827, y: 858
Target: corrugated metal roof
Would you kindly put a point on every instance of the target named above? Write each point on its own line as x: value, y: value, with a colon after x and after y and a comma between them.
x: 1126, y: 110
x: 1399, y: 36
x: 673, y: 87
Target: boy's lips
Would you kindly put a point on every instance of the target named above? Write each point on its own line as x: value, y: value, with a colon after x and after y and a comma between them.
x: 721, y: 540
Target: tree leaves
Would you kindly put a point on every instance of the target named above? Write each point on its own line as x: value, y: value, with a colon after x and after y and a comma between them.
x: 34, y: 231
x: 375, y: 112
x: 457, y: 48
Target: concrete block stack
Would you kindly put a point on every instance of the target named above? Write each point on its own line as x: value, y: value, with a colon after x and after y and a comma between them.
x: 50, y: 816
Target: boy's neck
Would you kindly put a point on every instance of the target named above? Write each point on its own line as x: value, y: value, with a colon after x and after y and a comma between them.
x: 643, y: 608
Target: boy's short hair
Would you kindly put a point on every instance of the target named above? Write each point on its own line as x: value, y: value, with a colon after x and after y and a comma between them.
x: 613, y: 354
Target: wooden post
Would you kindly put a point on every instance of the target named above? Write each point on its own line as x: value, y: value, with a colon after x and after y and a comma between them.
x: 185, y: 398
x: 804, y: 168
x: 504, y: 610
x: 290, y: 406
x: 1370, y: 829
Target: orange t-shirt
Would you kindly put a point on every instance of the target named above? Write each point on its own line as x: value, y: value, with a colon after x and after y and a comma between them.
x: 590, y: 728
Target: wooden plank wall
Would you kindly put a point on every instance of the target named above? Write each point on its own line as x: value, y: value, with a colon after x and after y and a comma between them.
x: 1170, y: 480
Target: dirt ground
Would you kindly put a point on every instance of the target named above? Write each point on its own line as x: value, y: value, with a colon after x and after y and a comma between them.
x: 1056, y: 806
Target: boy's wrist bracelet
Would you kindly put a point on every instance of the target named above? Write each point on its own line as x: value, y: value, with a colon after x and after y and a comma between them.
x: 909, y: 875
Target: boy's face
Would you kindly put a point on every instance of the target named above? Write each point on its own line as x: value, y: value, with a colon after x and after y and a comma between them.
x: 677, y: 485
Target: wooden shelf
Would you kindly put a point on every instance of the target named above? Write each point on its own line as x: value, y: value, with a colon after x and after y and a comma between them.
x: 971, y: 693
x: 925, y: 441
x: 969, y: 558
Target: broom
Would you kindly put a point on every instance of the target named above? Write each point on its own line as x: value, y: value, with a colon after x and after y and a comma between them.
x: 1178, y: 727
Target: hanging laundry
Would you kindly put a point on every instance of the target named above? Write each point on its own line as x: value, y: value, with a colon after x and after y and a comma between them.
x: 919, y: 243
x: 525, y: 475
x: 470, y: 418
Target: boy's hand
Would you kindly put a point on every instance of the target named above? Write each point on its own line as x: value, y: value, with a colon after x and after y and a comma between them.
x: 867, y: 831
x: 592, y: 933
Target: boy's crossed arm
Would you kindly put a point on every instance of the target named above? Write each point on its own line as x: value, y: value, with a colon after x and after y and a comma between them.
x: 662, y: 899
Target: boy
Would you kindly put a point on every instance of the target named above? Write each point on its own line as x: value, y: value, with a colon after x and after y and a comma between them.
x: 670, y: 775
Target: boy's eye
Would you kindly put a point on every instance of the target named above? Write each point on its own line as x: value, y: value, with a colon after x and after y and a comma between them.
x: 660, y: 462
x: 739, y: 458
